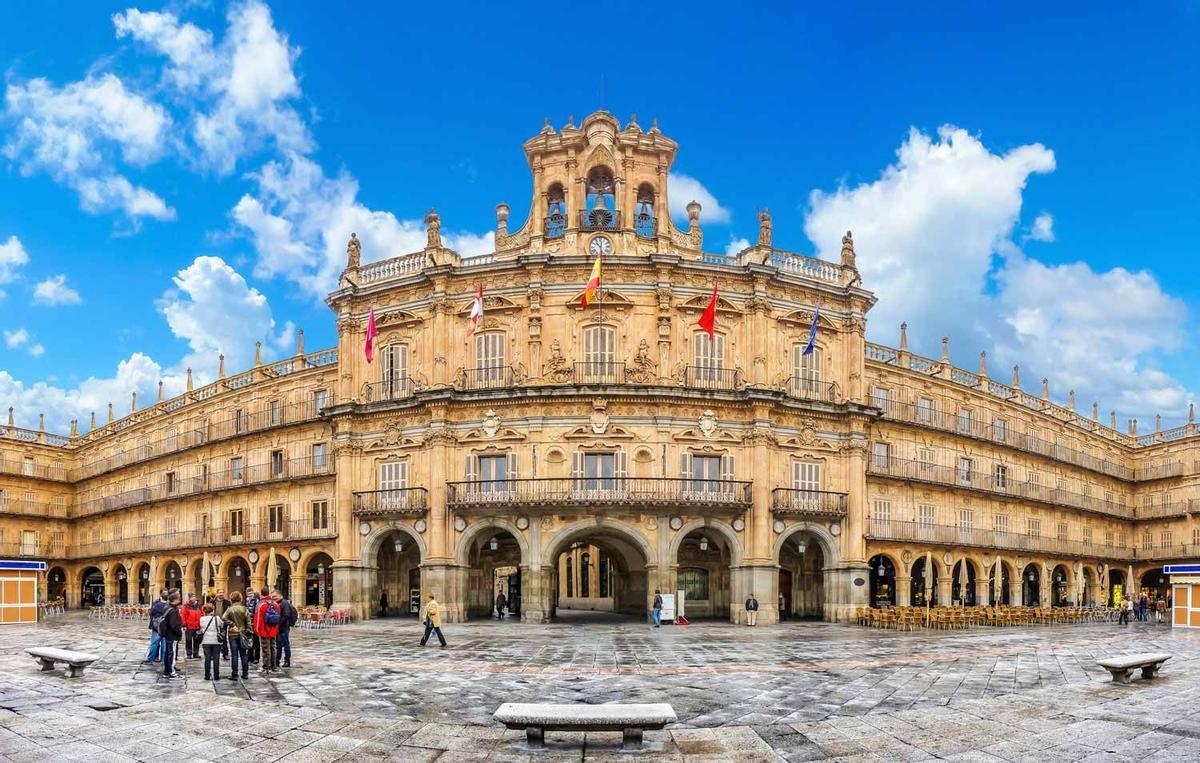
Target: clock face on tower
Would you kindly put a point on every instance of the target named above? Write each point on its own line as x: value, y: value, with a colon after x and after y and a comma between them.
x: 600, y: 245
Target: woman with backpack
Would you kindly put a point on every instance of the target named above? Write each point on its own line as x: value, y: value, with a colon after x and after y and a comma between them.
x: 210, y: 642
x: 237, y: 635
x: 266, y: 627
x: 171, y: 631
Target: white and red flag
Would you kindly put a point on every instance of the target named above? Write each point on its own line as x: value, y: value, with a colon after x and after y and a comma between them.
x: 476, y: 309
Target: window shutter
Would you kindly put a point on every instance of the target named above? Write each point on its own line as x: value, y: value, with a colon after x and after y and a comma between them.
x: 686, y: 465
x: 472, y: 468
x: 511, y: 466
x: 727, y: 467
x: 622, y: 464
x: 577, y: 465
x: 402, y: 474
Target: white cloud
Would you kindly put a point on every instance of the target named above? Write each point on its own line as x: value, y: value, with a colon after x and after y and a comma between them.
x: 18, y: 338
x: 240, y: 88
x: 301, y: 219
x: 934, y: 238
x: 76, y: 134
x: 683, y: 190
x: 735, y: 246
x: 36, y: 350
x: 1043, y: 228
x: 54, y: 291
x: 12, y: 258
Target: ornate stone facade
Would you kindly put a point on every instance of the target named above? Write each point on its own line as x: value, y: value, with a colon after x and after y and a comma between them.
x: 619, y: 432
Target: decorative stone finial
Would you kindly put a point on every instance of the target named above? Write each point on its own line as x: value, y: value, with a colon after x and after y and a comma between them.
x: 765, y: 234
x: 1157, y: 423
x: 945, y: 349
x: 1112, y: 420
x: 189, y: 380
x: 299, y: 341
x: 1133, y: 427
x: 983, y: 364
x: 1016, y: 382
x: 654, y: 124
x: 1191, y: 413
x: 257, y: 354
x: 10, y: 416
x: 571, y: 120
x: 353, y: 252
x: 693, y: 213
x: 92, y: 426
x: 433, y: 229
x: 904, y: 335
x: 110, y: 413
x: 160, y: 391
x: 133, y: 402
x: 848, y: 256
x: 1071, y: 399
x: 1045, y: 388
x: 41, y: 422
x: 74, y: 428
x: 547, y: 129
x: 221, y: 366
x: 1095, y: 410
x: 633, y: 123
x: 502, y: 219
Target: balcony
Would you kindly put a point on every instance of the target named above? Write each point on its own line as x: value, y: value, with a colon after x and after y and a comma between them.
x: 491, y: 377
x: 288, y: 531
x: 952, y: 535
x: 811, y: 389
x: 230, y: 479
x: 1167, y: 509
x: 600, y: 219
x: 704, y: 377
x: 399, y: 388
x: 1159, y: 471
x: 34, y: 508
x: 1185, y: 551
x: 600, y: 372
x: 19, y: 550
x: 395, y: 502
x: 955, y: 477
x: 808, y: 503
x: 556, y: 494
x: 34, y: 470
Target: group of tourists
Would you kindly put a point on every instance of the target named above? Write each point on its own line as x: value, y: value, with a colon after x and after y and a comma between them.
x: 1143, y: 608
x: 250, y: 630
x: 657, y: 607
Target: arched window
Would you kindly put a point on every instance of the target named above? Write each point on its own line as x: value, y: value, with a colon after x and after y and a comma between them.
x: 393, y: 370
x: 605, y: 572
x: 806, y: 372
x: 585, y: 575
x: 600, y: 207
x: 644, y: 221
x: 570, y: 576
x: 599, y: 356
x: 556, y: 211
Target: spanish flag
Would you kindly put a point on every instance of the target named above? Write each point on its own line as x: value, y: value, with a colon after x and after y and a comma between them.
x: 589, y: 291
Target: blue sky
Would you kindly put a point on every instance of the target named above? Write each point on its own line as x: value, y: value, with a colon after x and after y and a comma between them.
x: 1017, y: 179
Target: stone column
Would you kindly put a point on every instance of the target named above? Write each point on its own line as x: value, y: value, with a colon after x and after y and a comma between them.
x: 982, y: 591
x: 944, y: 589
x: 1014, y: 592
x: 763, y: 582
x: 536, y: 594
x: 903, y: 591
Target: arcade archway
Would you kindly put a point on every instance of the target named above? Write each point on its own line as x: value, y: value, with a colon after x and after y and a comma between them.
x: 576, y: 582
x: 962, y: 586
x: 1031, y: 586
x: 398, y: 575
x: 1117, y: 587
x: 1155, y: 585
x: 91, y: 587
x: 56, y: 584
x: 318, y: 581
x: 122, y: 576
x: 142, y: 572
x: 883, y: 581
x: 237, y: 575
x: 802, y: 566
x: 1061, y: 593
x: 924, y: 585
x: 173, y: 576
x: 703, y: 560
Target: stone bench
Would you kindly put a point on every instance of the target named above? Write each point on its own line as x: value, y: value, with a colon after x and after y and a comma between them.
x: 1122, y: 667
x: 630, y: 720
x: 76, y: 661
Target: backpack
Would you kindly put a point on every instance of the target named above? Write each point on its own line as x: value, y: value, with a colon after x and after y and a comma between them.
x: 271, y: 616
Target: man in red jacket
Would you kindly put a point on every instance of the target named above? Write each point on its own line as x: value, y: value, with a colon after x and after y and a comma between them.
x: 266, y: 624
x: 191, y: 626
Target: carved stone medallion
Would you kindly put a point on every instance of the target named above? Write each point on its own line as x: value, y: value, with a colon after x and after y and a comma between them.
x: 491, y: 423
x: 708, y: 423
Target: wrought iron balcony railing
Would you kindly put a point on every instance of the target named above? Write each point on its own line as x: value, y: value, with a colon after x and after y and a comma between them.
x: 1182, y: 551
x: 324, y: 526
x: 600, y: 372
x: 490, y: 377
x: 600, y: 219
x: 34, y: 469
x: 994, y: 484
x: 398, y: 388
x: 811, y: 389
x: 704, y: 377
x: 816, y: 503
x: 392, y: 502
x: 584, y: 493
x: 953, y: 535
x: 33, y: 508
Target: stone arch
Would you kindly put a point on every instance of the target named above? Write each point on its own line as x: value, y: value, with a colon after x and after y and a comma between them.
x: 736, y: 548
x: 828, y: 543
x: 466, y: 539
x: 581, y: 528
x: 371, y: 543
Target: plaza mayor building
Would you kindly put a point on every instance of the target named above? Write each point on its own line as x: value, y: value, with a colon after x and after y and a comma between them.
x: 578, y: 448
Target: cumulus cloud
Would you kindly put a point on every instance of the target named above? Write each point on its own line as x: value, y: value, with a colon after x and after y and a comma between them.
x: 12, y: 258
x: 934, y: 237
x: 1042, y: 228
x: 54, y: 291
x: 300, y: 220
x: 684, y: 189
x: 736, y: 245
x: 20, y: 338
x: 77, y: 133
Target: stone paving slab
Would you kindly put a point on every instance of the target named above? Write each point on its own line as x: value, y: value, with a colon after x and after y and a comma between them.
x: 802, y: 691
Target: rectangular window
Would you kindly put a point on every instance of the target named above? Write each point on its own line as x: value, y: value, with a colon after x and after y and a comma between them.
x: 169, y: 523
x: 706, y: 473
x: 925, y: 410
x: 925, y: 515
x: 320, y: 399
x: 320, y: 455
x: 3, y: 501
x: 708, y: 360
x: 964, y: 420
x: 806, y: 371
x: 1196, y: 536
x: 1108, y: 538
x: 1000, y: 523
x: 237, y: 523
x: 276, y: 463
x: 806, y: 476
x: 237, y: 471
x: 925, y: 461
x: 320, y: 515
x: 27, y: 500
x: 1062, y: 530
x: 599, y: 356
x: 1000, y: 430
x: 882, y: 511
x: 393, y: 371
x: 599, y: 471
x: 1086, y: 532
x: 493, y: 473
x: 881, y: 398
x: 27, y: 466
x: 966, y: 520
x: 275, y: 519
x: 58, y: 539
x: 1001, y: 476
x: 239, y: 420
x: 171, y: 442
x: 1147, y: 541
x: 1164, y: 539
x: 276, y: 413
x: 143, y: 528
x: 489, y: 359
x: 29, y: 544
x: 879, y: 455
x: 1033, y: 527
x: 965, y: 468
x: 171, y: 485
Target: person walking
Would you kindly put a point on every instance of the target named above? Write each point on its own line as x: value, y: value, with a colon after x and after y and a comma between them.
x: 210, y: 642
x: 657, y: 608
x: 237, y: 635
x: 1160, y: 609
x: 191, y: 614
x: 751, y: 610
x: 253, y: 647
x: 171, y: 630
x: 433, y: 621
x: 383, y: 602
x: 288, y: 616
x: 1144, y: 605
x: 157, y: 610
x: 266, y: 627
x: 501, y: 603
x: 1126, y: 606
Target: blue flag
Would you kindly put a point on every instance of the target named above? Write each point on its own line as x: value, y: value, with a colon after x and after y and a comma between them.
x: 812, y: 331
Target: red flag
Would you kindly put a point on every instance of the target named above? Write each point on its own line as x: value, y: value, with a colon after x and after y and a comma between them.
x: 476, y: 309
x: 372, y: 332
x: 708, y: 319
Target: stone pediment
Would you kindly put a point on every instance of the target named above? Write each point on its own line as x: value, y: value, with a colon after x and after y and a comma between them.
x: 492, y: 303
x: 504, y: 434
x: 699, y: 303
x: 612, y: 432
x: 717, y: 436
x: 605, y: 297
x: 803, y: 318
x: 393, y: 437
x: 397, y: 319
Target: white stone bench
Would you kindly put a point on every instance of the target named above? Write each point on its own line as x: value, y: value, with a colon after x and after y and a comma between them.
x: 630, y: 720
x: 1122, y: 667
x: 76, y: 661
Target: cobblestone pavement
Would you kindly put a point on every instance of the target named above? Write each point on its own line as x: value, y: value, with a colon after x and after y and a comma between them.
x: 803, y: 691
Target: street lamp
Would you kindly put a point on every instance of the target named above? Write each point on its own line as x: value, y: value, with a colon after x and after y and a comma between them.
x: 703, y: 543
x: 801, y: 545
x: 398, y: 545
x: 493, y: 544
